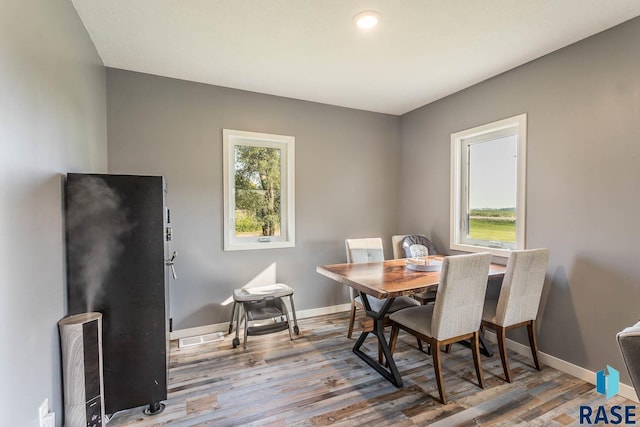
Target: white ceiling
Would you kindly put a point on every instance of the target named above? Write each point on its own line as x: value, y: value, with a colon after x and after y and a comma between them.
x: 422, y: 50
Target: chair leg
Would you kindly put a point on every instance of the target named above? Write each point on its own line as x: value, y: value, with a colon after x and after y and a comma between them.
x: 447, y: 348
x: 533, y: 342
x: 352, y: 319
x: 420, y: 347
x: 475, y: 349
x: 393, y: 338
x: 501, y: 335
x: 435, y: 351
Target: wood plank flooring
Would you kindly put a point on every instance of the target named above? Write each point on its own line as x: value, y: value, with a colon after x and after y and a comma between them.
x: 315, y: 380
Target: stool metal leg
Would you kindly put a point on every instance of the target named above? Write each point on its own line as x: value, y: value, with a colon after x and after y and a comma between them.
x: 295, y: 319
x: 246, y: 327
x: 286, y: 312
x: 233, y: 313
x: 236, y: 340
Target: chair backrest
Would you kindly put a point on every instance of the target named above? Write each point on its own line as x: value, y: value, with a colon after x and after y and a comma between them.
x: 399, y: 250
x: 364, y: 250
x: 461, y: 294
x: 522, y: 286
x: 417, y: 245
x: 629, y: 342
x: 396, y: 244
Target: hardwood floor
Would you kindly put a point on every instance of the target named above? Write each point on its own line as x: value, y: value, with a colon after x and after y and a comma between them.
x: 316, y: 380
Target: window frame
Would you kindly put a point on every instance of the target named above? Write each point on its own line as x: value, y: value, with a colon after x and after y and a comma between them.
x: 459, y: 140
x: 232, y: 138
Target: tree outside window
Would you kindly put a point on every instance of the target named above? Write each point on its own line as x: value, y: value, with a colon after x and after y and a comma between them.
x: 257, y: 179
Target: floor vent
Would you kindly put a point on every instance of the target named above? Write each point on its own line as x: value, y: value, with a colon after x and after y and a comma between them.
x: 200, y: 339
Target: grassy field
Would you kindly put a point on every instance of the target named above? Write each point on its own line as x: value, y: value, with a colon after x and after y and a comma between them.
x: 489, y: 229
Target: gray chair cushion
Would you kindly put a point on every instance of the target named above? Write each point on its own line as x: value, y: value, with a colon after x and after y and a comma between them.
x: 416, y: 318
x: 418, y: 251
x: 426, y: 296
x: 415, y: 239
x: 398, y: 304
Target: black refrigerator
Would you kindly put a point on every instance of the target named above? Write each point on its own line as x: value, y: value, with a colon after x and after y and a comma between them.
x: 117, y: 238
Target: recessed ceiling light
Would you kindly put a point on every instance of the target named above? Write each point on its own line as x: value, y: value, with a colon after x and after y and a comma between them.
x: 367, y: 20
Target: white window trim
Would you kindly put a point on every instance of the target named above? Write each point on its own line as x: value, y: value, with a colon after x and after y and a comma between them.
x: 456, y: 192
x: 231, y: 138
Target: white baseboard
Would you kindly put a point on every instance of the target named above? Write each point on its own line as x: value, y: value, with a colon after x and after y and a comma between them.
x: 224, y: 327
x: 579, y: 372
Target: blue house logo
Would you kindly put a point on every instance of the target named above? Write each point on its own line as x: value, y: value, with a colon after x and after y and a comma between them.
x: 608, y: 384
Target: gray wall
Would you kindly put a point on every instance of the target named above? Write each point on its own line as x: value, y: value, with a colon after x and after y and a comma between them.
x: 583, y: 109
x: 52, y: 121
x: 345, y: 183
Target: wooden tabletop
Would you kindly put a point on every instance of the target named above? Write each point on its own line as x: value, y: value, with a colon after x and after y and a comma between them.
x: 388, y: 279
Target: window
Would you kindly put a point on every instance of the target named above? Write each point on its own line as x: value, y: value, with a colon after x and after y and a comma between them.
x: 258, y: 190
x: 488, y: 187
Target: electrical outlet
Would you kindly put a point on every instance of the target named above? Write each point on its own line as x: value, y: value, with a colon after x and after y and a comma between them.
x: 43, y: 409
x: 49, y: 420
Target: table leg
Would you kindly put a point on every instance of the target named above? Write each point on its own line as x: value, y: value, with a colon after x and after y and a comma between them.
x: 391, y: 374
x: 484, y: 346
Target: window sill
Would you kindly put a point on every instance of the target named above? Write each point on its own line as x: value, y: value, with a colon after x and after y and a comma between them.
x: 257, y: 245
x: 503, y: 253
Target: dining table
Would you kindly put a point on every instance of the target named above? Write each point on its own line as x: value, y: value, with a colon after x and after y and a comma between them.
x: 388, y: 280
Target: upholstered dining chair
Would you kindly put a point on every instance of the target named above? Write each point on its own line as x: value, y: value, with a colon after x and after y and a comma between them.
x: 399, y: 251
x: 414, y: 245
x: 417, y: 245
x: 517, y: 304
x: 369, y: 250
x: 456, y: 314
x: 396, y: 244
x: 629, y: 343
